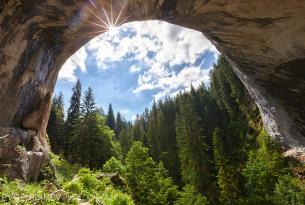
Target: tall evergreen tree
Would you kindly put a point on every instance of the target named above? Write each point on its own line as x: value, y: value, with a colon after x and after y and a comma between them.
x: 119, y: 125
x: 110, y: 118
x: 55, y: 128
x: 193, y: 155
x: 73, y: 115
x: 88, y: 104
x: 153, y: 133
x: 126, y: 139
x: 227, y: 179
x: 92, y: 139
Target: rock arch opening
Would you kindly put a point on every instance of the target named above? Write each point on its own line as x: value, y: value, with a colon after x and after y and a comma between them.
x: 139, y: 62
x: 264, y: 40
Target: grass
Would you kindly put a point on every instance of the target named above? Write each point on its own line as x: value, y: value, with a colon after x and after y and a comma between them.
x: 72, y: 185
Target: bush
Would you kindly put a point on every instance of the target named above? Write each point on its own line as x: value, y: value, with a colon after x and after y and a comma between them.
x: 262, y: 171
x: 148, y: 181
x: 287, y: 192
x: 116, y: 197
x: 18, y: 193
x: 113, y: 165
x: 74, y: 187
x: 189, y: 196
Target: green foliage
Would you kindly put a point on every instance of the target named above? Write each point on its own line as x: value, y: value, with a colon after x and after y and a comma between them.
x: 209, y: 140
x: 74, y: 187
x: 189, y: 196
x: 110, y: 122
x: 64, y: 170
x: 288, y: 192
x: 262, y: 170
x: 192, y: 147
x: 113, y: 196
x: 226, y: 176
x: 113, y: 165
x: 148, y: 181
x: 55, y: 126
x: 92, y: 139
x: 18, y: 193
x: 97, y: 191
x: 119, y: 125
x: 73, y: 115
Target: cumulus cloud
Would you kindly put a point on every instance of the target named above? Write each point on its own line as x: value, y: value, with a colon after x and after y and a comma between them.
x: 164, y: 56
x: 134, y: 69
x: 76, y: 61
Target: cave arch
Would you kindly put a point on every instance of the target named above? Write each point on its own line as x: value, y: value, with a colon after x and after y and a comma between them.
x: 264, y: 40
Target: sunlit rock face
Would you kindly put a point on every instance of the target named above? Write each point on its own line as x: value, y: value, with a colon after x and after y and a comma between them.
x: 264, y: 40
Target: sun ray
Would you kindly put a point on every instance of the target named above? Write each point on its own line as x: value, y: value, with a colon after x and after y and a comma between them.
x: 108, y: 22
x: 120, y: 13
x: 125, y: 19
x: 92, y: 12
x: 97, y: 32
x: 96, y: 24
x: 105, y: 13
x: 111, y: 13
x: 93, y: 4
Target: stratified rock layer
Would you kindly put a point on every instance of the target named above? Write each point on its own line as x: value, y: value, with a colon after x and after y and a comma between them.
x: 264, y: 40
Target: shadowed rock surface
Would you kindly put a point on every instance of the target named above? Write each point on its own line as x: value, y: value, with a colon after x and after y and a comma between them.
x: 264, y: 40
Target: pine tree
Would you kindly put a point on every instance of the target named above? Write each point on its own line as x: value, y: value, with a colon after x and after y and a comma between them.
x: 227, y: 179
x: 88, y: 122
x: 72, y: 118
x: 55, y: 128
x: 88, y: 104
x: 92, y: 139
x: 126, y: 139
x: 137, y: 131
x: 153, y: 133
x: 148, y: 180
x: 192, y: 150
x: 119, y: 125
x: 167, y: 132
x: 110, y: 118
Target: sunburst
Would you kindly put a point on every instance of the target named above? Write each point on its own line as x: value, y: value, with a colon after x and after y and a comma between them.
x: 107, y: 21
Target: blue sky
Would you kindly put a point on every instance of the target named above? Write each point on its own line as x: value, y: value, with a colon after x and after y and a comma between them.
x: 136, y: 63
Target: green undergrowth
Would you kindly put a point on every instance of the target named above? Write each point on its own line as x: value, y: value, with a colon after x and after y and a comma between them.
x: 72, y: 185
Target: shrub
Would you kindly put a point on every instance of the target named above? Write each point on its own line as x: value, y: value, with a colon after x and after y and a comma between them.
x: 287, y: 192
x: 74, y: 187
x: 113, y: 165
x: 189, y: 196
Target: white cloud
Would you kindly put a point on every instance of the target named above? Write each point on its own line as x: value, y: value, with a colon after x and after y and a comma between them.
x: 135, y: 69
x: 170, y: 85
x: 76, y: 61
x: 158, y: 46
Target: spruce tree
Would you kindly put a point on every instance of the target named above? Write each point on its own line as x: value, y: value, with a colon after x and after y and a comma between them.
x: 125, y: 139
x: 193, y: 155
x: 119, y: 125
x: 153, y: 133
x: 110, y: 118
x: 55, y: 128
x: 72, y: 118
x: 88, y: 122
x: 227, y: 178
x: 92, y: 139
x: 88, y: 104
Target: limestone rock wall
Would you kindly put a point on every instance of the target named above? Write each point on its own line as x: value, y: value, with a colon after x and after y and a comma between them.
x: 264, y: 40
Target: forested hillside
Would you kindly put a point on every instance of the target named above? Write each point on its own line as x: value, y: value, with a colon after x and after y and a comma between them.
x: 204, y: 146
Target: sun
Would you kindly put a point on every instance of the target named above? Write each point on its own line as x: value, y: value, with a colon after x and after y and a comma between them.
x: 111, y: 28
x: 104, y: 20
